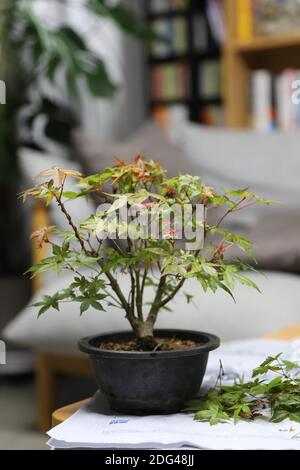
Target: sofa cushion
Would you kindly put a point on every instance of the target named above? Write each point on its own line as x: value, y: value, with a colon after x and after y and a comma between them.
x: 149, y: 140
x: 277, y: 241
x: 267, y: 163
x: 254, y: 314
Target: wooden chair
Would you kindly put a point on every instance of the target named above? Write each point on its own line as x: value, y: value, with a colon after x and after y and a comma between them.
x: 49, y: 365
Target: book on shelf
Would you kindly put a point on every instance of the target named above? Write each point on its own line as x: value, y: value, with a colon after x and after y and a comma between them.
x: 169, y: 82
x: 184, y: 69
x: 200, y: 38
x: 288, y: 113
x: 245, y: 19
x: 261, y: 100
x: 267, y: 18
x: 212, y: 116
x: 174, y: 30
x: 179, y: 4
x: 179, y: 36
x: 273, y: 17
x: 176, y: 113
x: 158, y: 6
x: 216, y: 21
x: 163, y: 6
x: 271, y: 101
x: 209, y: 79
x: 166, y: 115
x: 161, y: 48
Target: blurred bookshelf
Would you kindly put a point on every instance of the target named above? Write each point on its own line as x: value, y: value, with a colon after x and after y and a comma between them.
x: 185, y: 69
x: 261, y: 61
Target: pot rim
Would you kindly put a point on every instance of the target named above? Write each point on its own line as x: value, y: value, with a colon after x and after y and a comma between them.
x: 213, y: 342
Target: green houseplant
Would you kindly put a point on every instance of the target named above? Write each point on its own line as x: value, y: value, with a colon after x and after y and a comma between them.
x: 33, y: 52
x: 161, y: 259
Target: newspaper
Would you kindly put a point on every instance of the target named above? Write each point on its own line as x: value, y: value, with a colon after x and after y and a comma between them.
x: 96, y: 426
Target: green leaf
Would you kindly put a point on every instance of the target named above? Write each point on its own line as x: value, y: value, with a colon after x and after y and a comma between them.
x: 245, y: 400
x: 97, y: 305
x: 99, y: 83
x: 48, y: 302
x: 118, y: 204
x: 295, y: 416
x: 53, y: 65
x: 248, y: 282
x: 226, y: 289
x: 279, y: 415
x: 290, y: 365
x: 43, y: 309
x: 275, y: 383
x: 158, y: 251
x: 188, y: 297
x: 85, y: 305
x: 73, y: 38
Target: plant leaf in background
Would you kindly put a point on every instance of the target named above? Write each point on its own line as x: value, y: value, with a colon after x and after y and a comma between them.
x: 63, y: 47
x: 124, y: 19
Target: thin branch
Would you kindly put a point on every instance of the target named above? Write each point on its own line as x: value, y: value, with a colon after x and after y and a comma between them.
x: 139, y: 296
x: 112, y: 280
x: 232, y: 209
x: 114, y: 285
x: 173, y: 293
x: 144, y: 280
x: 113, y: 297
x: 71, y: 223
x: 133, y: 288
x: 157, y: 301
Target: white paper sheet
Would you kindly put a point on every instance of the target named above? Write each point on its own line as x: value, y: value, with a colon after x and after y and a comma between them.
x: 95, y: 425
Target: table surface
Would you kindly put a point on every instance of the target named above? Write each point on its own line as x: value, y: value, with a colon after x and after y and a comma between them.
x: 60, y: 415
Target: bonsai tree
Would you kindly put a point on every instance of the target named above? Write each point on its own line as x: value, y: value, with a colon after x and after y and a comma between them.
x: 161, y: 259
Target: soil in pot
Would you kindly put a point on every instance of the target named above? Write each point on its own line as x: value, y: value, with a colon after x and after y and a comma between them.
x: 163, y: 344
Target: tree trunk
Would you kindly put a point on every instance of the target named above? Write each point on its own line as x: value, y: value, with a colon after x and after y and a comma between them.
x: 145, y: 335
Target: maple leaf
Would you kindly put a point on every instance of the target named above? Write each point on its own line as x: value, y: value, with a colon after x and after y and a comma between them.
x: 58, y: 175
x: 41, y: 235
x: 138, y: 159
x: 207, y: 192
x: 34, y: 191
x: 119, y: 162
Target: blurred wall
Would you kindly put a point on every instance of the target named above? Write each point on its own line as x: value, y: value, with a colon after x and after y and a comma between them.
x: 125, y: 58
x: 135, y: 74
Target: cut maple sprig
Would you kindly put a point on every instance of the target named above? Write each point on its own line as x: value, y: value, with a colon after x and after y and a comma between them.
x: 279, y: 396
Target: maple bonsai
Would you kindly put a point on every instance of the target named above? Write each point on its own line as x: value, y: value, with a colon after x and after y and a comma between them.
x: 160, y: 262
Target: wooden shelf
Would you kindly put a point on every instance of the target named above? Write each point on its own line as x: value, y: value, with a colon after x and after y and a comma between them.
x: 209, y: 54
x: 241, y: 58
x: 192, y: 57
x: 168, y: 14
x: 267, y: 43
x: 212, y: 101
x: 168, y: 101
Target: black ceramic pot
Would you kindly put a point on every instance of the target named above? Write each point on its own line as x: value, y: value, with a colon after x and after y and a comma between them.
x: 158, y: 382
